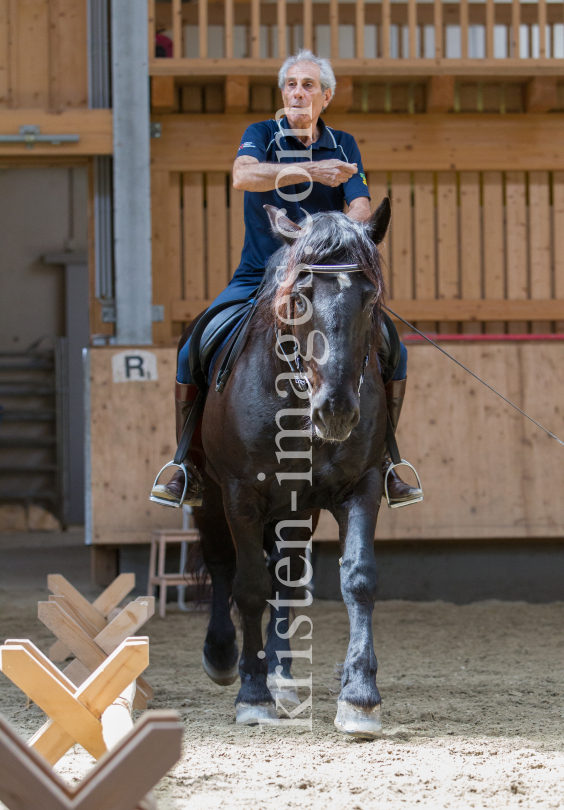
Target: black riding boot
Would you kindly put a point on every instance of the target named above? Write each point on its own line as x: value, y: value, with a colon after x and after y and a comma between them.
x: 171, y: 494
x: 398, y: 491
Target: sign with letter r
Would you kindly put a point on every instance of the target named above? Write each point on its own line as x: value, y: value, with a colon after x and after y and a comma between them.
x: 134, y: 365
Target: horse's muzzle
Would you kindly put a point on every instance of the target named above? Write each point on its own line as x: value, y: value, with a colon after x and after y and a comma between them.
x: 334, y: 423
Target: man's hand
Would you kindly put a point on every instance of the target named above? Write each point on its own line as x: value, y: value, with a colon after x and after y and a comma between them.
x: 332, y: 172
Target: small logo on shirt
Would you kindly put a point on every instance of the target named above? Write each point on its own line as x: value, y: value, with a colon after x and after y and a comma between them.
x: 247, y: 145
x: 363, y: 178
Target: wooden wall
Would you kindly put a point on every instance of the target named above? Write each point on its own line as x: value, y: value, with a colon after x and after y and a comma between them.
x: 486, y: 471
x: 43, y: 54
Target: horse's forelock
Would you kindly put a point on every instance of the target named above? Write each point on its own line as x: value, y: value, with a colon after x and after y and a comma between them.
x: 329, y: 238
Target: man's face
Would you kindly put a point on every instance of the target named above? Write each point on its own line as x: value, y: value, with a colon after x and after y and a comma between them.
x: 302, y: 95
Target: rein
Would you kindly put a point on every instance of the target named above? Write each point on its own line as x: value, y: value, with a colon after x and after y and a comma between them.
x: 299, y: 372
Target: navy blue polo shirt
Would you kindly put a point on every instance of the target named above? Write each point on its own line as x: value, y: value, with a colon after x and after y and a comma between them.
x: 270, y: 142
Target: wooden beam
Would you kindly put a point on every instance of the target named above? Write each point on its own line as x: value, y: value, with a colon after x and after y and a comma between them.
x: 541, y: 94
x: 440, y: 94
x: 343, y: 98
x: 94, y: 128
x: 236, y: 94
x: 163, y: 94
x: 482, y: 310
x: 387, y: 142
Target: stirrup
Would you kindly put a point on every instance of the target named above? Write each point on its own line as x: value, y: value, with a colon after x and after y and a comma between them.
x: 402, y: 463
x: 164, y: 501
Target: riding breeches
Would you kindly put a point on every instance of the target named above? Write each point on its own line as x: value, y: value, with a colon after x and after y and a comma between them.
x: 235, y: 291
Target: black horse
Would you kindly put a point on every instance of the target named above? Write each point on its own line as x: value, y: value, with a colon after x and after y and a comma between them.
x: 299, y: 427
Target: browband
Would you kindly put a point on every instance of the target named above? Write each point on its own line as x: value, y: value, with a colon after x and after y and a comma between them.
x: 331, y: 268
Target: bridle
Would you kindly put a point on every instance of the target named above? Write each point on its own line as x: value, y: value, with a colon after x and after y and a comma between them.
x: 296, y: 366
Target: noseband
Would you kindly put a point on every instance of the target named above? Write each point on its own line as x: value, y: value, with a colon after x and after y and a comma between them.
x: 298, y: 371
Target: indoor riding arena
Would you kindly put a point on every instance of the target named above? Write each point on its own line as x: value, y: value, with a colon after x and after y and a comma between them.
x: 209, y: 596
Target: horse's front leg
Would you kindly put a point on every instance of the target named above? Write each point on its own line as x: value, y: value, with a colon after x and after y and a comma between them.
x: 251, y: 588
x: 359, y: 701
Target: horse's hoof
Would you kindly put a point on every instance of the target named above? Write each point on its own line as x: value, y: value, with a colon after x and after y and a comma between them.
x: 222, y: 678
x: 261, y: 713
x: 358, y: 722
x: 283, y: 690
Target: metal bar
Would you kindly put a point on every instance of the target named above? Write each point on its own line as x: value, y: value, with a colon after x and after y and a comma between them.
x: 308, y: 24
x: 132, y: 188
x: 177, y: 29
x: 54, y: 140
x: 255, y: 29
x: 438, y: 12
x: 87, y: 450
x: 490, y: 20
x: 203, y: 28
x: 99, y: 96
x: 229, y: 19
x: 281, y: 23
x: 359, y: 21
x: 334, y: 24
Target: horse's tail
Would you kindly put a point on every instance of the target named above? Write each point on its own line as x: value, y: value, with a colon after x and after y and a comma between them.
x: 195, y: 567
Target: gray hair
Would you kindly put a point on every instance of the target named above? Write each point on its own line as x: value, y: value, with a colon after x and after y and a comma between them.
x: 326, y: 75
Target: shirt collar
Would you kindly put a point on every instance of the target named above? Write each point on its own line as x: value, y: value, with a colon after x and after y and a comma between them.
x: 326, y: 138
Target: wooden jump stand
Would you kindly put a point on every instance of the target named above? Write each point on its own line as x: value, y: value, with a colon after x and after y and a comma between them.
x: 157, y: 563
x: 85, y: 633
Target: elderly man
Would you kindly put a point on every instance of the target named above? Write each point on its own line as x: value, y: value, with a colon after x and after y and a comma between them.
x: 306, y: 148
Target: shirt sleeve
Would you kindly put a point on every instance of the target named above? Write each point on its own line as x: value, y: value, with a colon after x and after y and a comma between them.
x: 254, y: 142
x: 357, y: 186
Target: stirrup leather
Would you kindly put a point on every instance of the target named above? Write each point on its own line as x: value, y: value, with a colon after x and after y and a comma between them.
x: 398, y: 504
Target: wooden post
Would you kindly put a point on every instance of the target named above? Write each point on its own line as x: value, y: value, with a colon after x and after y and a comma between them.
x: 464, y: 28
x: 334, y: 26
x: 281, y: 23
x: 203, y: 28
x: 229, y: 22
x: 541, y: 94
x: 440, y: 94
x: 255, y: 29
x: 515, y: 28
x: 236, y: 94
x: 386, y: 23
x: 359, y: 22
x: 177, y: 29
x: 163, y: 94
x: 438, y: 13
x: 412, y: 25
x: 308, y: 24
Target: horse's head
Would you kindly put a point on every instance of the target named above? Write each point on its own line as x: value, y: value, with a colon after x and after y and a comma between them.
x: 326, y: 295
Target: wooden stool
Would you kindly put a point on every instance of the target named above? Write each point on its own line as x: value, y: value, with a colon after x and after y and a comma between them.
x: 158, y: 577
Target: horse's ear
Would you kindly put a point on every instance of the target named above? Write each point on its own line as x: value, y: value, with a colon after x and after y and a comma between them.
x: 281, y: 226
x: 378, y: 223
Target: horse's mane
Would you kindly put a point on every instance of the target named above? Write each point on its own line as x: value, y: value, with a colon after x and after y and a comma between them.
x: 329, y: 238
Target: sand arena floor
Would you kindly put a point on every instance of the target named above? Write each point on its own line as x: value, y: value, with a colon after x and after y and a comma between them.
x: 473, y: 711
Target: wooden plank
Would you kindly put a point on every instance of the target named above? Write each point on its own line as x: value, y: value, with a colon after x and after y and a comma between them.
x: 114, y: 594
x: 216, y: 234
x: 203, y: 28
x: 281, y: 23
x: 490, y: 22
x: 558, y: 236
x: 236, y: 94
x: 308, y: 24
x: 229, y: 22
x: 412, y: 27
x: 236, y: 228
x: 68, y: 607
x: 60, y: 586
x: 32, y: 650
x: 464, y: 28
x: 541, y: 94
x: 385, y: 28
x: 68, y: 49
x: 401, y: 237
x: 440, y: 94
x: 5, y: 90
x: 177, y: 29
x: 151, y: 29
x: 193, y: 229
x: 93, y: 126
x: 130, y: 619
x: 163, y: 95
x: 479, y: 310
x: 515, y: 27
x: 494, y: 258
x: 542, y: 28
x: 462, y: 142
x: 359, y: 28
x: 448, y: 283
x: 167, y: 247
x: 438, y: 18
x: 516, y: 240
x: 378, y: 187
x: 52, y: 698
x: 255, y: 29
x: 425, y: 240
x: 334, y: 27
x: 470, y: 242
x: 29, y: 34
x: 184, y: 312
x: 539, y: 240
